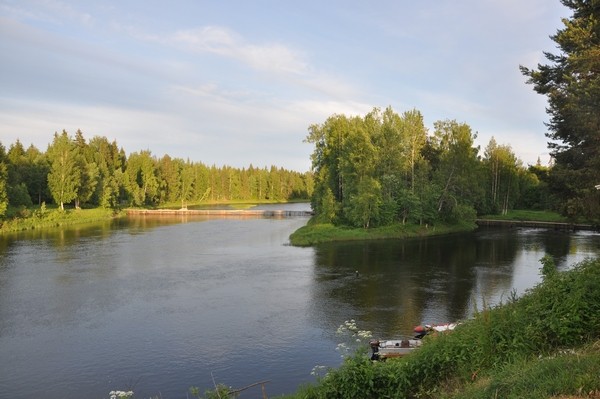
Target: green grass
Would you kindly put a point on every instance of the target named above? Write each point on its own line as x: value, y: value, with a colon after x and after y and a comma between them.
x: 562, y: 373
x: 42, y: 217
x: 537, y: 216
x: 316, y: 233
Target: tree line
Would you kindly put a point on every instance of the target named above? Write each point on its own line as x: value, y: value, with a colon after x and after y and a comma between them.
x: 385, y: 168
x: 98, y: 173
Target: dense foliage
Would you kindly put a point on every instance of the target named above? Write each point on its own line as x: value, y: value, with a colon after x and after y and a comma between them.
x: 571, y: 82
x: 385, y: 168
x: 98, y: 173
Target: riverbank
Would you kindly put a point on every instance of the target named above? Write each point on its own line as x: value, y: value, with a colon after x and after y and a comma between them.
x: 317, y: 233
x: 545, y: 344
x: 42, y: 218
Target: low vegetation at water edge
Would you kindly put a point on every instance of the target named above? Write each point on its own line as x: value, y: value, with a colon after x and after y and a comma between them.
x: 316, y: 233
x: 46, y: 217
x: 530, y: 215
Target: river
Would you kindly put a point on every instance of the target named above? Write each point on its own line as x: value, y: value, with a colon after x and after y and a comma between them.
x: 158, y: 305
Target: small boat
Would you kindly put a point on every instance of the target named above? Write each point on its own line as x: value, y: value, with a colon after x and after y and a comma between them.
x: 382, y: 350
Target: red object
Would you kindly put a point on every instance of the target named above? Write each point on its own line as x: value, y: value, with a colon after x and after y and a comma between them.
x: 420, y: 329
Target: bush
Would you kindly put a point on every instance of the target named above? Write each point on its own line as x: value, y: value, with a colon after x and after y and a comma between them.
x: 19, y: 196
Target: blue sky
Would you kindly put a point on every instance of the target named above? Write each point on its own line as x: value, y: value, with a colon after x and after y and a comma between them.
x: 240, y: 82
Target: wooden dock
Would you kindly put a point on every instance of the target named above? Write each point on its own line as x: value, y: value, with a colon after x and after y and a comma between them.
x: 541, y: 225
x: 221, y: 212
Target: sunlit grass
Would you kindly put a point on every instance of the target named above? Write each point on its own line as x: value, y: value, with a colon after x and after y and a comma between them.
x: 312, y: 233
x: 528, y: 215
x: 45, y: 217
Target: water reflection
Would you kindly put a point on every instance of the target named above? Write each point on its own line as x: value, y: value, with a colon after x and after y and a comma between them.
x: 174, y: 300
x: 401, y: 284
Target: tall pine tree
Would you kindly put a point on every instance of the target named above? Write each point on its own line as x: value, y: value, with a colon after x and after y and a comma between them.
x: 571, y: 81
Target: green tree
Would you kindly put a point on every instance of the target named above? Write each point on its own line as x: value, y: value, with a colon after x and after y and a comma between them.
x: 16, y: 163
x: 366, y: 202
x: 571, y: 82
x: 17, y: 167
x: 63, y: 179
x: 415, y: 136
x: 456, y: 172
x: 535, y: 192
x: 3, y: 182
x: 141, y: 178
x: 109, y: 161
x: 358, y: 165
x: 328, y: 139
x: 89, y: 173
x: 503, y: 170
x: 36, y: 174
x: 186, y: 182
x: 169, y: 172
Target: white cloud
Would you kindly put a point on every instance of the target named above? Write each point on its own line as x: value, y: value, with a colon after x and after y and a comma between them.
x: 274, y: 57
x: 52, y: 11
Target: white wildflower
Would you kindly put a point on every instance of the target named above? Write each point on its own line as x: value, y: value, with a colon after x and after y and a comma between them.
x: 120, y: 394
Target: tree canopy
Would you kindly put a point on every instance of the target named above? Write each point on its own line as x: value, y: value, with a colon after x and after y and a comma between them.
x: 385, y: 168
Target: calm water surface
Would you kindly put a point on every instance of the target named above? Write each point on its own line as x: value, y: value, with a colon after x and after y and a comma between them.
x: 160, y: 304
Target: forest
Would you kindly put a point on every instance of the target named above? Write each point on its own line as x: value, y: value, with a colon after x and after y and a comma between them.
x: 98, y: 173
x: 385, y: 168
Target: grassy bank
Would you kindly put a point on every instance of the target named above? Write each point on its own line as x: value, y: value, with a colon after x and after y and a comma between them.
x: 314, y: 233
x: 542, y: 345
x: 535, y: 216
x: 42, y: 217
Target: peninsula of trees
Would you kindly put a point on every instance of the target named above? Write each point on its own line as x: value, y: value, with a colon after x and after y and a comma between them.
x: 385, y: 168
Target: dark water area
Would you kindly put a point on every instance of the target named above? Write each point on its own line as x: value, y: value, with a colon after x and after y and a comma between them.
x: 158, y: 304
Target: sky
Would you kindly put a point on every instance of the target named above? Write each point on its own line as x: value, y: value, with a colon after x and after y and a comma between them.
x: 236, y: 82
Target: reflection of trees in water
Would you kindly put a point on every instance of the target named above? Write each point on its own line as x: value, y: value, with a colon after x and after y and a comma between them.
x: 403, y: 283
x: 558, y: 245
x: 497, y: 250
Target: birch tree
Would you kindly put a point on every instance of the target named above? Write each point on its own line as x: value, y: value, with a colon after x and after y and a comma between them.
x: 63, y: 179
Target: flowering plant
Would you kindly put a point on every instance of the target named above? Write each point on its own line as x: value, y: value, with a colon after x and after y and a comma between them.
x: 356, y: 339
x: 120, y: 394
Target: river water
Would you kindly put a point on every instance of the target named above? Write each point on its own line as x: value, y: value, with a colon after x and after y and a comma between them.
x: 158, y: 305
